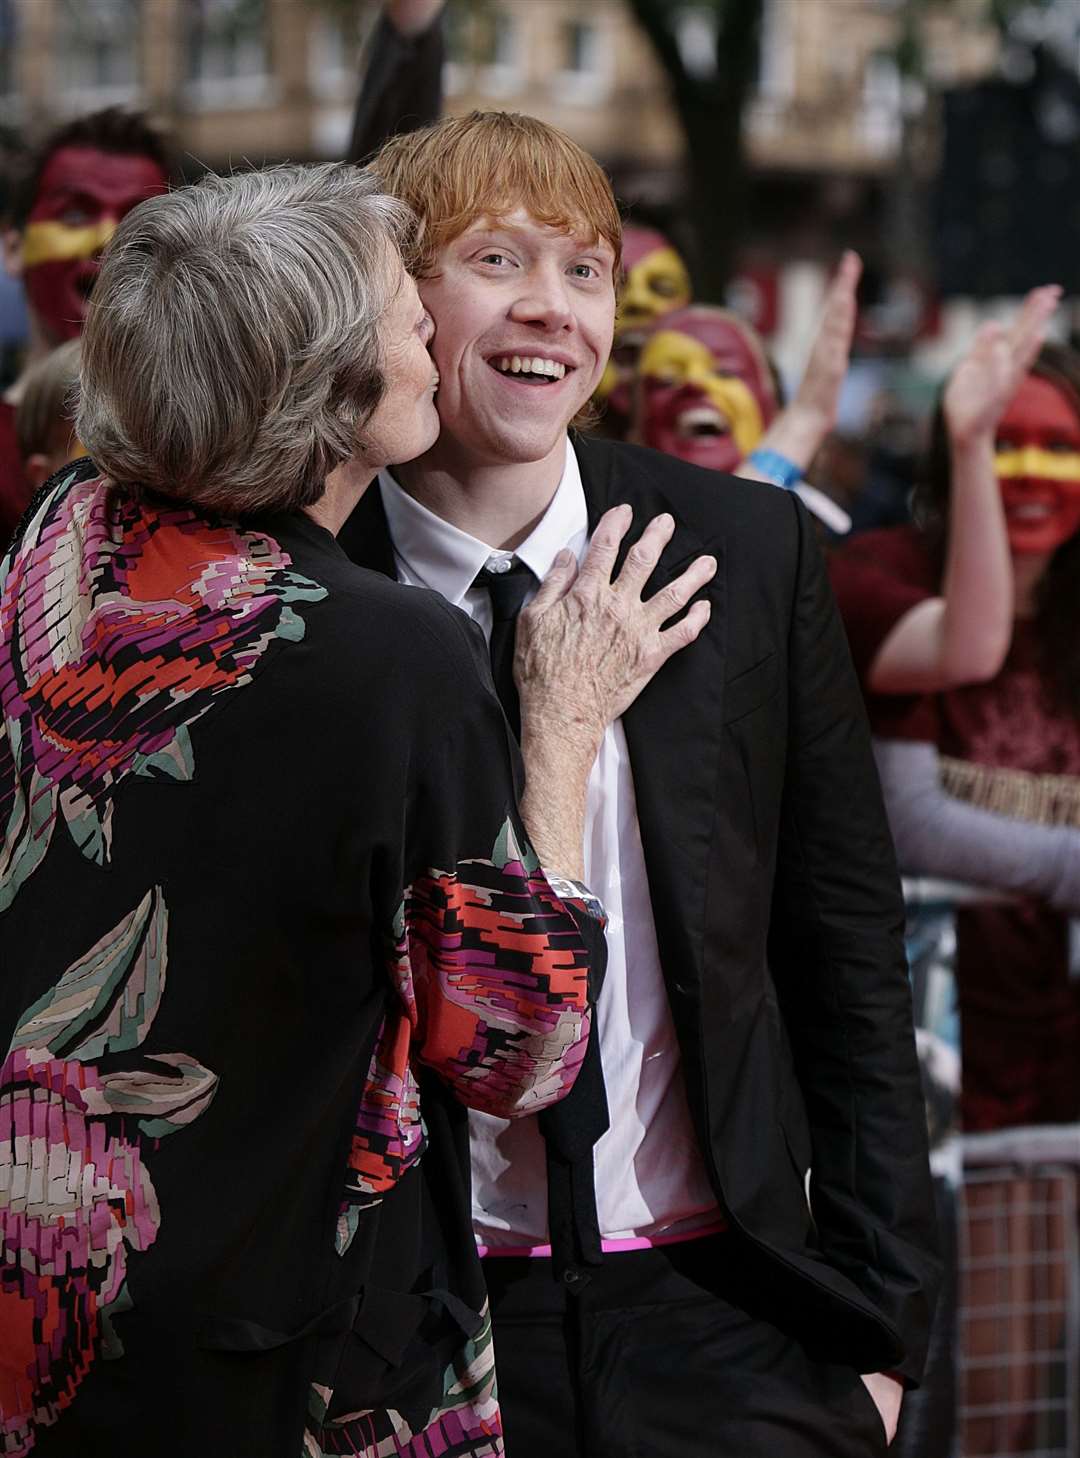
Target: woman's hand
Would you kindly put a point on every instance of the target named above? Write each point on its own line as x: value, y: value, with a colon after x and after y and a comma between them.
x: 586, y: 647
x: 989, y: 375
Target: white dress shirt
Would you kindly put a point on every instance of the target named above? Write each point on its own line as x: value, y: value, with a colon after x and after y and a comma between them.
x: 650, y: 1178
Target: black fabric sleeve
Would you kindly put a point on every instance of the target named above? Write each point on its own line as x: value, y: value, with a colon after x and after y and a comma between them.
x: 400, y: 89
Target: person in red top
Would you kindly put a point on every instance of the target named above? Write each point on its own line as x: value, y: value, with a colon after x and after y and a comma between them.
x: 982, y: 777
x: 81, y: 181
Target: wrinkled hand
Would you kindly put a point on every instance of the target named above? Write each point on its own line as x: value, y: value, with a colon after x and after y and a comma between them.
x: 587, y: 645
x: 888, y: 1394
x: 830, y: 355
x: 989, y: 375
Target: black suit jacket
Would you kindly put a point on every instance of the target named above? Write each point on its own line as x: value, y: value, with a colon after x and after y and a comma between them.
x: 778, y: 914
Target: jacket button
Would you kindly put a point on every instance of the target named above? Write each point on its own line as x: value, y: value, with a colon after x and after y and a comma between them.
x: 575, y: 1279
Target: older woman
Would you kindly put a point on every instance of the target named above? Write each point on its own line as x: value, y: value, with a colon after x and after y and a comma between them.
x: 270, y: 915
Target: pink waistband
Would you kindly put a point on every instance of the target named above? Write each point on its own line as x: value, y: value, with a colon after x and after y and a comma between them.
x: 634, y: 1242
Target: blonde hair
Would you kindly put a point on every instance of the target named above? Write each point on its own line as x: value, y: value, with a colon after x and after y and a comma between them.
x: 48, y: 401
x: 231, y: 354
x: 487, y: 164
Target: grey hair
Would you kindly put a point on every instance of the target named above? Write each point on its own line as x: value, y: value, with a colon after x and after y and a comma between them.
x: 231, y: 355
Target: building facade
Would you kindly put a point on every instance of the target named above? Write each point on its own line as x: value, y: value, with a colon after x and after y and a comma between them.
x: 277, y: 78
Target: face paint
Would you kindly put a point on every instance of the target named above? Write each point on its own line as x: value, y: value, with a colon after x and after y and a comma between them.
x: 704, y: 389
x: 81, y: 197
x: 655, y: 281
x: 1037, y: 463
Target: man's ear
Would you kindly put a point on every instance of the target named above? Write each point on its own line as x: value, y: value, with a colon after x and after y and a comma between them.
x: 11, y: 247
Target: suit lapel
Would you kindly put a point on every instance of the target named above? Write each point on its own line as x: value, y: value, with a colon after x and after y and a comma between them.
x: 673, y: 733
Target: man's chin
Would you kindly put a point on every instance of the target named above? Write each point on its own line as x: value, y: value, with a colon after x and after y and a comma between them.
x: 519, y: 444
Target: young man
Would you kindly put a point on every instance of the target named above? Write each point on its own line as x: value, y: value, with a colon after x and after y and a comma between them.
x: 74, y: 190
x: 756, y: 1019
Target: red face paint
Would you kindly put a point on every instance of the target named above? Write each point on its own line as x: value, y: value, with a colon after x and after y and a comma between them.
x: 1037, y: 460
x: 705, y: 391
x: 82, y: 195
x: 654, y: 282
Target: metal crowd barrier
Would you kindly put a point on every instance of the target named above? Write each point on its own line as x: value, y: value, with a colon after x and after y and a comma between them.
x: 1007, y: 1375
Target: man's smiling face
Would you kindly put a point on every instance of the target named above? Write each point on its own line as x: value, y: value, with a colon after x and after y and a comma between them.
x: 523, y: 315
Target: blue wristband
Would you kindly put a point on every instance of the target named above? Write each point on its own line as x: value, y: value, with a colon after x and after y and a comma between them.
x: 779, y: 470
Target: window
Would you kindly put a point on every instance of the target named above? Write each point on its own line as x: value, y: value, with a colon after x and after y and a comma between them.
x: 882, y: 100
x: 776, y: 74
x: 95, y: 57
x: 457, y: 72
x: 587, y: 70
x: 499, y: 52
x: 695, y: 36
x: 336, y: 42
x: 228, y: 59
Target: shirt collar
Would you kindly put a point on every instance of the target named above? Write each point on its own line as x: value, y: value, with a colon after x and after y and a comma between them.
x: 441, y: 556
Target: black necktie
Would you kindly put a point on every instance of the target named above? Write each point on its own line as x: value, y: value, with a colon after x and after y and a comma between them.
x: 508, y: 591
x: 573, y: 1125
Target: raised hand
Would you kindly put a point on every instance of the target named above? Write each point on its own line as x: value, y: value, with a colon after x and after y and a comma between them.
x: 819, y: 392
x: 997, y: 360
x: 799, y: 429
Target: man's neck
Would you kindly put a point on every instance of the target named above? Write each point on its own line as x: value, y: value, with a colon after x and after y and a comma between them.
x: 499, y: 504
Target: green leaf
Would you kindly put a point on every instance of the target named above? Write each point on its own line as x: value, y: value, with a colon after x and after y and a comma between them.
x: 111, y: 1345
x: 347, y: 1224
x: 508, y: 849
x: 175, y: 762
x: 107, y: 1000
x: 90, y: 832
x: 28, y: 831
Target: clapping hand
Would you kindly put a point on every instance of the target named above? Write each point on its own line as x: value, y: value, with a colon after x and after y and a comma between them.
x: 799, y: 429
x: 990, y: 373
x: 819, y: 393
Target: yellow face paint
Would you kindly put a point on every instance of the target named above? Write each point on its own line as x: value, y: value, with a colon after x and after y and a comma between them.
x: 672, y: 360
x: 1038, y: 465
x: 52, y: 242
x: 656, y: 285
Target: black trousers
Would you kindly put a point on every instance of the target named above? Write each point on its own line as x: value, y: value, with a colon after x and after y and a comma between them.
x: 654, y: 1358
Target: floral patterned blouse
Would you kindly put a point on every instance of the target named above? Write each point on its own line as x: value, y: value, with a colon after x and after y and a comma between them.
x: 268, y: 922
